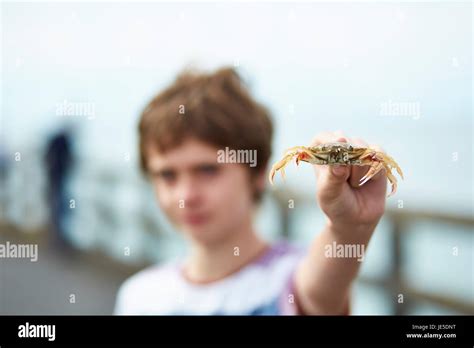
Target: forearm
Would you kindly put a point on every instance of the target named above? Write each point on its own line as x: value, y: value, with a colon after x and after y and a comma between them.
x: 323, y: 281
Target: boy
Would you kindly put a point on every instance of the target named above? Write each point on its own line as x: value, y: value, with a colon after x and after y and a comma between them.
x: 230, y: 269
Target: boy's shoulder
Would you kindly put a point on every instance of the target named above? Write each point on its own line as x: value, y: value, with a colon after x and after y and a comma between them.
x: 161, y: 272
x: 163, y: 285
x: 278, y: 254
x: 147, y: 283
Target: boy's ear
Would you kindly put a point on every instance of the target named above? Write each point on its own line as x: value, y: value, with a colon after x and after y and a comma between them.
x: 260, y: 180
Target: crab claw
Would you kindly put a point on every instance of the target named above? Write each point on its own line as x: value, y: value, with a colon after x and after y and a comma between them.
x: 302, y: 156
x: 300, y: 153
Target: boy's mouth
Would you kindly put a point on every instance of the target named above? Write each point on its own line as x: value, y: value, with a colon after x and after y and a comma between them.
x: 195, y: 219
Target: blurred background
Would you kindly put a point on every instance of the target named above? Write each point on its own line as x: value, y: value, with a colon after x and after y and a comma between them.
x: 75, y: 78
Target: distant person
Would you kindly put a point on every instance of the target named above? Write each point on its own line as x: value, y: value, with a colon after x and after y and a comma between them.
x: 58, y: 163
x: 230, y: 269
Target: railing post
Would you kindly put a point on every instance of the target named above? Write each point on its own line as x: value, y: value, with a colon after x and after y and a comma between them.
x: 396, y: 279
x: 285, y: 219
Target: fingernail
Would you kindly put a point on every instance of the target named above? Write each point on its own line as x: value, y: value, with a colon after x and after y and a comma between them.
x: 338, y: 170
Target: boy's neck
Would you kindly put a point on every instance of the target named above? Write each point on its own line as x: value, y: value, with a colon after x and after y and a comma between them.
x: 211, y: 263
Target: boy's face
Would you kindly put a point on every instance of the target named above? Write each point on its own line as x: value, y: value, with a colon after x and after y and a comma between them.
x: 205, y: 199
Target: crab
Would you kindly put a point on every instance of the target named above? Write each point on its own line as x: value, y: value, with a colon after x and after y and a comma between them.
x: 341, y: 154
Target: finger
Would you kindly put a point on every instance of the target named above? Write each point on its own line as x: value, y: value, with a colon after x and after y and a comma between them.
x: 331, y: 181
x: 327, y: 137
x: 340, y: 134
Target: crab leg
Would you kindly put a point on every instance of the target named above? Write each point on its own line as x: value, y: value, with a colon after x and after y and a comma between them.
x: 394, y: 164
x: 374, y: 169
x: 389, y: 165
x: 300, y: 152
x: 386, y: 162
x: 375, y: 161
x: 280, y: 166
x: 393, y: 181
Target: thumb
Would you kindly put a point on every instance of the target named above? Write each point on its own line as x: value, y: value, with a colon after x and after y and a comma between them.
x: 332, y: 181
x: 339, y: 173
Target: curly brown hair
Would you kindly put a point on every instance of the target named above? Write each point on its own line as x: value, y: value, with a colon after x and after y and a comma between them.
x: 215, y: 108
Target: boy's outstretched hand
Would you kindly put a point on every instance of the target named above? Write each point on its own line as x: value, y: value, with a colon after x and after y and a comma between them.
x: 345, y: 203
x: 322, y: 283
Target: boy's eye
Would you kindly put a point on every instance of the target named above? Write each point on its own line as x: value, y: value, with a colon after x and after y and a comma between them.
x: 207, y: 169
x: 166, y: 175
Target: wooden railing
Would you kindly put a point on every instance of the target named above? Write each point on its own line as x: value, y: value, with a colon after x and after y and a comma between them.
x: 400, y: 221
x: 392, y: 282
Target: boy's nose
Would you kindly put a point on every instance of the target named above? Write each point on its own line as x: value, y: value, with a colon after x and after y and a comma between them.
x: 189, y: 192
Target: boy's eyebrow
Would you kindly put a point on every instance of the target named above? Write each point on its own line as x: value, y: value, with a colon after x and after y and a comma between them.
x: 205, y: 163
x: 160, y: 170
x: 193, y: 167
x: 201, y: 165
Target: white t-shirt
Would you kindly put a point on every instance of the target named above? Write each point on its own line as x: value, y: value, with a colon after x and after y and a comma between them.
x: 263, y: 287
